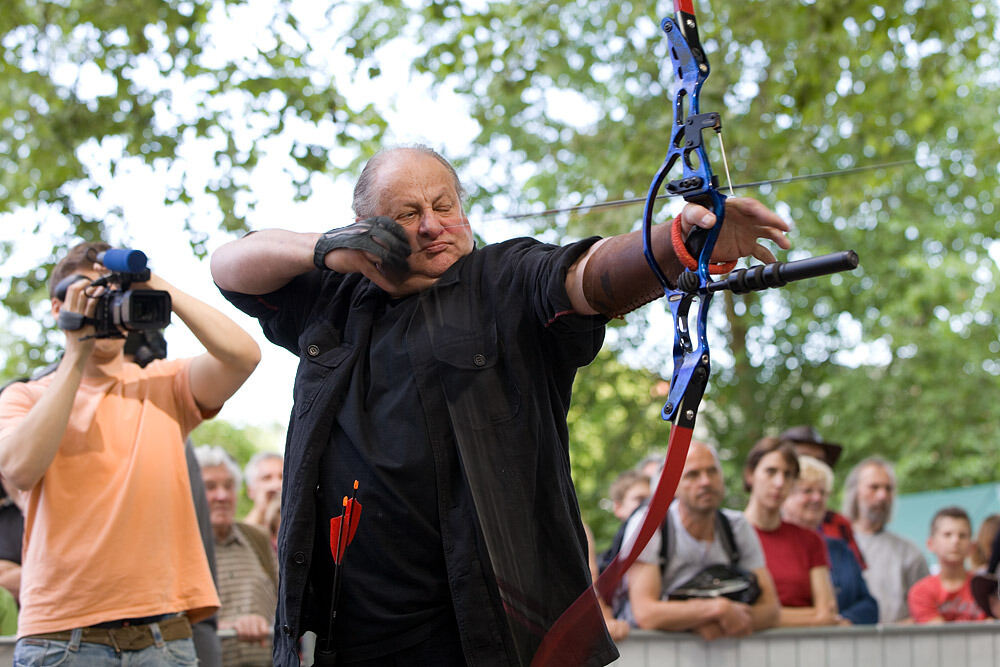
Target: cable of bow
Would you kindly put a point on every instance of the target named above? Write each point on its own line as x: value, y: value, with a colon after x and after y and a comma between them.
x: 692, y: 362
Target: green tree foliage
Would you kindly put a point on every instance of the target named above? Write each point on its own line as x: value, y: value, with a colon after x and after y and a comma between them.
x: 899, y: 357
x: 192, y: 89
x: 573, y: 104
x: 614, y: 416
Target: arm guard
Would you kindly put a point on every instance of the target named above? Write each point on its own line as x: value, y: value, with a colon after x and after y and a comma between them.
x: 617, y: 279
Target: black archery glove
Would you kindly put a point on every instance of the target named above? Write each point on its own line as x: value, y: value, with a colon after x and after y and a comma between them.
x: 381, y: 236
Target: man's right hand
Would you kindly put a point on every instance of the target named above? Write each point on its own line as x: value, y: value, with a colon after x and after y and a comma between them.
x: 250, y: 628
x: 734, y: 619
x: 377, y: 243
x: 80, y: 342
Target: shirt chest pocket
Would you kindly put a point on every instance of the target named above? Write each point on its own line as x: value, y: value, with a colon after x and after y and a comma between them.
x: 320, y: 352
x: 478, y: 383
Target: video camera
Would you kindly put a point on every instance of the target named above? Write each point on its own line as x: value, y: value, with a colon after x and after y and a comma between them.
x: 118, y: 307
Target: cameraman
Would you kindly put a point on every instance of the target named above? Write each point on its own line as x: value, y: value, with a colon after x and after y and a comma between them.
x: 113, y: 561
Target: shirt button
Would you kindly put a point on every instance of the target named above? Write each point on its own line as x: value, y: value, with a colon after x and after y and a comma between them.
x: 287, y: 630
x: 479, y: 360
x: 299, y: 558
x: 312, y: 350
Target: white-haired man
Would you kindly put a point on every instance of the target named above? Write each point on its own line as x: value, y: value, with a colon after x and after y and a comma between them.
x: 263, y: 475
x: 247, y: 569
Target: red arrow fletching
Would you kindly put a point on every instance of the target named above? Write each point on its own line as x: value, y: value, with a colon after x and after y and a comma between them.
x: 341, y: 537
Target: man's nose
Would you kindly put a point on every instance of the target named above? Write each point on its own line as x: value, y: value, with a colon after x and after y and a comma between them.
x: 430, y: 225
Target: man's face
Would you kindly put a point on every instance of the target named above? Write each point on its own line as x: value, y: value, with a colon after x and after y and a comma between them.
x: 701, y: 488
x: 950, y: 540
x: 875, y: 495
x: 418, y: 192
x: 105, y: 349
x: 220, y: 488
x: 267, y: 482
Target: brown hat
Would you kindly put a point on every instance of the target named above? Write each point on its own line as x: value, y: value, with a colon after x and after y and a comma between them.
x: 809, y: 435
x: 984, y: 587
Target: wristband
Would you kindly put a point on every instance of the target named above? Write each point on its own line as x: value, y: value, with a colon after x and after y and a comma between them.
x: 685, y: 257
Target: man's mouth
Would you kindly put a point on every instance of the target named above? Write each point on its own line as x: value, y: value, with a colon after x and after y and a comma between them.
x: 435, y: 247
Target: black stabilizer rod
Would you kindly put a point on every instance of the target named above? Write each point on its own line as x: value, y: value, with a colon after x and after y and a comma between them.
x: 764, y: 276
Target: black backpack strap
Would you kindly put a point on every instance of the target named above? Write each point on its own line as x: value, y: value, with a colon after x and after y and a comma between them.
x: 605, y: 557
x: 725, y: 532
x: 666, y: 542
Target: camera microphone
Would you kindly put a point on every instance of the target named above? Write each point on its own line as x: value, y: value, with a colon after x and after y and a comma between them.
x: 122, y: 260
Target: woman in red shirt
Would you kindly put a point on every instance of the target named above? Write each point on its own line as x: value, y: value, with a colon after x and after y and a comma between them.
x: 796, y: 557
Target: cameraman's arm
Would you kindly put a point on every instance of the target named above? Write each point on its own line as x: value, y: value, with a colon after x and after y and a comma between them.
x: 231, y: 354
x: 263, y: 262
x: 28, y: 447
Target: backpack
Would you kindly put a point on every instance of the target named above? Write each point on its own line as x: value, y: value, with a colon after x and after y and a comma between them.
x: 724, y: 531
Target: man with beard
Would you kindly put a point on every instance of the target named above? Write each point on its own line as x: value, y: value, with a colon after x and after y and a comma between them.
x: 699, y: 534
x: 894, y: 563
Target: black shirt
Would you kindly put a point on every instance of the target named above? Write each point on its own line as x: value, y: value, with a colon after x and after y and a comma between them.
x: 493, y: 348
x: 394, y: 584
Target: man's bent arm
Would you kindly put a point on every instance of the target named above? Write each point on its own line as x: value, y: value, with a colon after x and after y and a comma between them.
x: 264, y: 261
x: 231, y: 354
x: 765, y: 612
x: 652, y: 613
x: 27, y: 449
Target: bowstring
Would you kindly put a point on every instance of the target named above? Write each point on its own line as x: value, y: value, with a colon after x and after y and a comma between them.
x: 619, y: 203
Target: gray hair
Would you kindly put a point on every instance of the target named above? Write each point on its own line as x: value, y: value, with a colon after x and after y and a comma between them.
x: 250, y: 471
x: 365, y: 192
x: 850, y: 503
x: 210, y: 456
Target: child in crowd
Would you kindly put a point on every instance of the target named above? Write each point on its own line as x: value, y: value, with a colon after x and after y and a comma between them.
x: 629, y: 490
x: 947, y: 596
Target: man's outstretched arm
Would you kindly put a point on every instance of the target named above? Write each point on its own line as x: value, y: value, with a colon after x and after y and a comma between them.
x: 613, y: 278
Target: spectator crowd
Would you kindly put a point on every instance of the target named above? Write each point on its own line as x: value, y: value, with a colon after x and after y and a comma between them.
x: 789, y: 559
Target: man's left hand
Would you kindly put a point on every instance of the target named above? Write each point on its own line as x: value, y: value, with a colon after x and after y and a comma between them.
x: 746, y: 221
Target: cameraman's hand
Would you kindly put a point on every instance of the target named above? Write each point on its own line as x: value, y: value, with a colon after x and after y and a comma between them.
x: 80, y: 343
x: 155, y: 282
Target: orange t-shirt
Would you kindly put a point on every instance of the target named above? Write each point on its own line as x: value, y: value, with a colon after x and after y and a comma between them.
x: 110, y: 530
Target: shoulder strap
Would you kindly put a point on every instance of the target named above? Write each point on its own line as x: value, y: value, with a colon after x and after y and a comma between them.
x: 725, y: 528
x: 666, y: 542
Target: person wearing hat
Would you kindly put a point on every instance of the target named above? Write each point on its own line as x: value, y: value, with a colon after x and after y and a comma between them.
x: 808, y: 442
